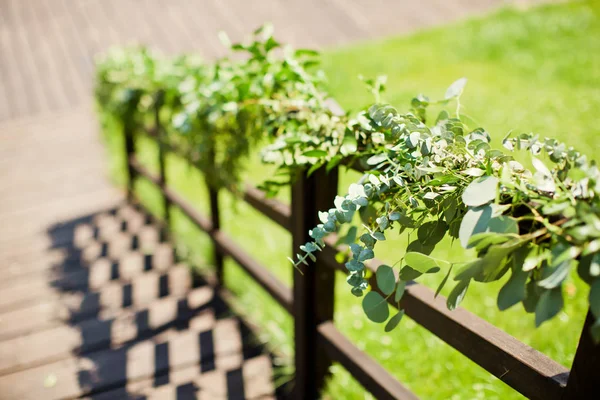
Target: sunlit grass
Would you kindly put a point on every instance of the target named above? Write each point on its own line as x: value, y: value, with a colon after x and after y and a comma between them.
x: 534, y: 70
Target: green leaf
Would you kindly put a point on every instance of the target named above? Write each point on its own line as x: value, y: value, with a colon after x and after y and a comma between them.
x: 306, y: 52
x: 366, y: 254
x: 476, y: 172
x: 558, y: 275
x: 386, y: 281
x: 481, y: 191
x: 408, y: 274
x: 514, y: 290
x: 456, y: 88
x: 333, y: 162
x: 375, y: 307
x: 379, y: 236
x: 503, y: 224
x: 443, y: 282
x: 377, y: 159
x: 559, y: 267
x: 481, y: 241
x: 315, y: 153
x: 354, y: 265
x: 549, y: 304
x: 400, y: 289
x: 349, y: 145
x: 458, y: 294
x: 423, y: 263
x: 432, y: 232
x: 595, y: 331
x: 532, y: 296
x: 475, y: 221
x: 591, y: 247
x: 394, y: 321
x: 419, y: 247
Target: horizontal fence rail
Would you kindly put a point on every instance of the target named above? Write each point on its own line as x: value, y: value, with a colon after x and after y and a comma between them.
x: 223, y: 242
x: 523, y: 368
x: 370, y: 374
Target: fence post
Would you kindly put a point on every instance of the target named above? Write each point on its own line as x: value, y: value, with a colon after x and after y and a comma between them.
x: 313, y: 284
x: 161, y: 138
x: 584, y: 378
x: 128, y: 133
x: 213, y: 197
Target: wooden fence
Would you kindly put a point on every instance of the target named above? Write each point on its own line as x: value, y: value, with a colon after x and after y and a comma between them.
x: 318, y: 343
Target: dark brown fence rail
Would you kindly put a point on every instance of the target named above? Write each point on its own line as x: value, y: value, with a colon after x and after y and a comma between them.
x: 317, y: 341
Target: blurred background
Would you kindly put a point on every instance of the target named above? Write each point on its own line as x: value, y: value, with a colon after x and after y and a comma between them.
x: 531, y: 66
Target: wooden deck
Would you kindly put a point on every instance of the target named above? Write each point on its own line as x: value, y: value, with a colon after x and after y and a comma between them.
x: 92, y: 303
x: 47, y: 48
x: 117, y: 318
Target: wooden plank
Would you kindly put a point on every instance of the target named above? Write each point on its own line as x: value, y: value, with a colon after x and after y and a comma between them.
x: 106, y: 303
x: 313, y: 284
x: 60, y: 248
x: 280, y: 292
x: 53, y: 75
x: 363, y: 368
x: 74, y: 80
x: 17, y: 274
x: 33, y: 350
x: 198, y: 22
x: 13, y: 103
x: 101, y: 272
x: 96, y: 25
x: 277, y: 211
x: 163, y: 38
x: 193, y: 383
x: 82, y: 35
x: 107, y: 369
x: 26, y: 199
x: 31, y: 93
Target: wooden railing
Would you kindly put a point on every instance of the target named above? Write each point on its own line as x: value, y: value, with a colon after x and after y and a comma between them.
x: 318, y: 343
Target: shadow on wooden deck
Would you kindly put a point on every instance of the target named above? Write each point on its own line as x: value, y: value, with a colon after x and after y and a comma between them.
x: 120, y: 318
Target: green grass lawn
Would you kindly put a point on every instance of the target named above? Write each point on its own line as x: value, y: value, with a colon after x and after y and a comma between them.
x: 529, y: 70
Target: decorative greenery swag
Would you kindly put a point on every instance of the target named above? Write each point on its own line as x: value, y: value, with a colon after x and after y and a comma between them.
x: 436, y: 177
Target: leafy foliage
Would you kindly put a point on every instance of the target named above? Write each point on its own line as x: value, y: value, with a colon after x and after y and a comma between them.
x: 431, y: 177
x: 446, y: 179
x: 221, y: 111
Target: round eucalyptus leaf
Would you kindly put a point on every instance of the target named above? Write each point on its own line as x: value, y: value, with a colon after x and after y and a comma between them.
x: 408, y: 274
x: 400, y: 289
x: 422, y: 263
x: 481, y: 191
x: 503, y: 224
x: 456, y: 88
x: 475, y: 221
x: 386, y: 281
x: 375, y: 307
x: 514, y: 290
x: 394, y: 321
x: 549, y: 304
